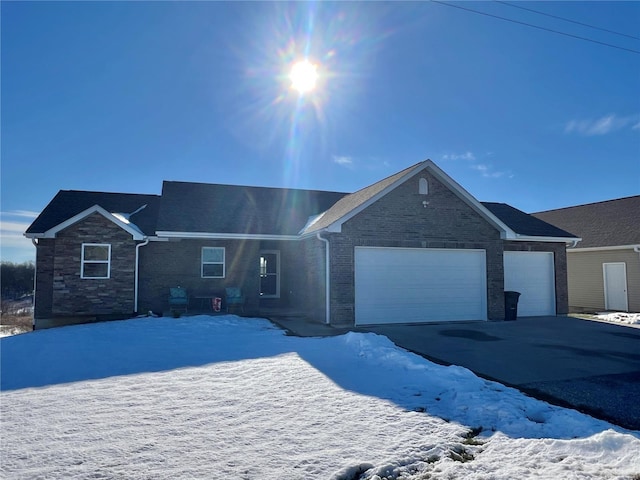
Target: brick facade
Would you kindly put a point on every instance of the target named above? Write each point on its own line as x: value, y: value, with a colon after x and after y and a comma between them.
x: 399, y: 219
x: 178, y: 263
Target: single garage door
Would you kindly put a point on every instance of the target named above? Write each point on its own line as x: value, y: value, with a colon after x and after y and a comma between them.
x: 531, y: 274
x: 412, y: 285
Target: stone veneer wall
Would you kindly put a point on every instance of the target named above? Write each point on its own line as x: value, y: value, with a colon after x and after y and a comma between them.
x: 75, y: 296
x: 44, y: 279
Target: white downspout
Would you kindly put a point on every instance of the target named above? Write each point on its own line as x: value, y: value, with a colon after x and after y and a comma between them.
x: 327, y: 271
x: 35, y: 274
x: 135, y: 286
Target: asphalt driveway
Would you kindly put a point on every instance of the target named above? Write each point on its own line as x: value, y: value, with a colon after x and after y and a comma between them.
x: 588, y: 365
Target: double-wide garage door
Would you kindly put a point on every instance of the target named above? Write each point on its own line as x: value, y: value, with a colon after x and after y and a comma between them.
x: 411, y: 285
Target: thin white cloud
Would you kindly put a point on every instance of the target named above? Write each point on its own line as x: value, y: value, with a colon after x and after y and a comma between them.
x: 15, y: 246
x: 11, y: 236
x: 603, y: 125
x: 487, y: 171
x: 15, y: 227
x: 15, y: 240
x: 20, y: 213
x: 469, y: 156
x: 343, y: 160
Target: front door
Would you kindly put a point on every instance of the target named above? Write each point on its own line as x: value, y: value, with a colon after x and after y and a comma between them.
x: 615, y: 286
x: 269, y: 274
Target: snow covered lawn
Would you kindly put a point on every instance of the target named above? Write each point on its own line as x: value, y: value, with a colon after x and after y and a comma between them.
x: 228, y: 397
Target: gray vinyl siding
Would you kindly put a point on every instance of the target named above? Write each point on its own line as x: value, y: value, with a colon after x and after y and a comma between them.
x: 586, y: 281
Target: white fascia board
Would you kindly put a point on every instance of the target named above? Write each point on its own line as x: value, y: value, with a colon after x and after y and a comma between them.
x: 129, y: 228
x: 224, y: 236
x: 601, y: 249
x: 532, y: 238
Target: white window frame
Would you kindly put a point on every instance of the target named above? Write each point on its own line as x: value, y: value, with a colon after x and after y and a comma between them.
x: 277, y: 274
x: 84, y: 262
x: 223, y: 263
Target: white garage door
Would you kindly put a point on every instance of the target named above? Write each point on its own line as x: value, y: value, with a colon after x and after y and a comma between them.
x: 411, y: 285
x: 531, y: 274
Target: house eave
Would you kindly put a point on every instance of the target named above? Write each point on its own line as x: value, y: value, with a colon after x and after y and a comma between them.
x: 223, y: 236
x: 132, y: 230
x: 532, y: 238
x: 602, y: 249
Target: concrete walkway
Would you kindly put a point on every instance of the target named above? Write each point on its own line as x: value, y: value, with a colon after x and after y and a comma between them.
x: 591, y: 366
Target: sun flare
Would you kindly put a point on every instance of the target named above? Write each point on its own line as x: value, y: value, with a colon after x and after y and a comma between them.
x: 304, y: 76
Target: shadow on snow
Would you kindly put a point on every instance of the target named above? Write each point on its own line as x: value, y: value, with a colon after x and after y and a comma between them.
x: 365, y: 363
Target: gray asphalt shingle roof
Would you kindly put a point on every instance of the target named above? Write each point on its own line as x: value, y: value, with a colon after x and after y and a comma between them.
x: 201, y: 207
x: 187, y: 207
x: 601, y: 224
x: 523, y: 223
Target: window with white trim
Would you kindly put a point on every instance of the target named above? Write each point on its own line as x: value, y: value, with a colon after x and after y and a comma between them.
x: 96, y: 260
x: 212, y: 262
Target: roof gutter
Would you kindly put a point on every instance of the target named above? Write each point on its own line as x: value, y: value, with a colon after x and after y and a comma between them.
x: 223, y: 236
x: 532, y: 238
x: 327, y: 283
x: 137, y: 274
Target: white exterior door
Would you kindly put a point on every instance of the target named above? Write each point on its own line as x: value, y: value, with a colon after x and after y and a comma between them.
x: 413, y: 285
x: 615, y: 286
x: 533, y: 275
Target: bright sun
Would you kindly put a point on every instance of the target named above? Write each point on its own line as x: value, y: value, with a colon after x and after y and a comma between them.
x: 304, y: 76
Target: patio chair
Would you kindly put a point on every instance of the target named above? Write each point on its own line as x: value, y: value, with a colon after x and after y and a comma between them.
x: 178, y: 298
x: 234, y: 298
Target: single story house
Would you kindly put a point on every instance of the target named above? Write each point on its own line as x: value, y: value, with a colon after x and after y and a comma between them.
x: 604, y: 268
x: 413, y: 247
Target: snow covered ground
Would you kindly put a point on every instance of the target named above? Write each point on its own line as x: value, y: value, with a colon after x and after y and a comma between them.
x: 620, y: 317
x: 8, y: 330
x: 228, y: 397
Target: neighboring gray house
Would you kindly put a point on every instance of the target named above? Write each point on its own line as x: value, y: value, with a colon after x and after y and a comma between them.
x: 604, y: 268
x: 413, y: 247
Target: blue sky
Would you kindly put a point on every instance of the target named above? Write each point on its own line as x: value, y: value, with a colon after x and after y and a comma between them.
x: 118, y: 96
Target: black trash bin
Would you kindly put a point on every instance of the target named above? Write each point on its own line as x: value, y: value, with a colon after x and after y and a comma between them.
x: 511, y: 305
